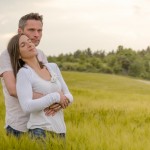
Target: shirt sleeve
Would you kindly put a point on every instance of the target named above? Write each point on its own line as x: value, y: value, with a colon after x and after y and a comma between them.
x: 25, y: 94
x: 5, y: 64
x: 65, y: 89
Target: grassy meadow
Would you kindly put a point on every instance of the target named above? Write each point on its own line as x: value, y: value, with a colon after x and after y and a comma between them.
x: 109, y: 113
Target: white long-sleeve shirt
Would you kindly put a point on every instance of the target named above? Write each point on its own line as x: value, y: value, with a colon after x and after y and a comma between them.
x: 27, y: 82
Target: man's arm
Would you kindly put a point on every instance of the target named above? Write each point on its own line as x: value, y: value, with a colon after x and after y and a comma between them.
x: 6, y: 73
x: 10, y: 83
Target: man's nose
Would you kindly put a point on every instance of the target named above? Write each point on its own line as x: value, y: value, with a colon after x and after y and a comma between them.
x: 36, y: 33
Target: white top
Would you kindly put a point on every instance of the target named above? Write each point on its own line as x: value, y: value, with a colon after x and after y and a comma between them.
x: 31, y: 81
x: 15, y: 117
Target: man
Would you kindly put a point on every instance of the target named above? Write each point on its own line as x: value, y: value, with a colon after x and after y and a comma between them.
x: 16, y: 120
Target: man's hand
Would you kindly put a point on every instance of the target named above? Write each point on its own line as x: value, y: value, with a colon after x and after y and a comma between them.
x: 51, y: 110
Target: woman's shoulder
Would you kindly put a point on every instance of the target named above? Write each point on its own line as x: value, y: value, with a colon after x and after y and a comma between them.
x: 25, y: 71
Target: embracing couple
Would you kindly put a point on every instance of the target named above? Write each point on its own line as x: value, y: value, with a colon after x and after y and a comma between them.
x: 34, y: 90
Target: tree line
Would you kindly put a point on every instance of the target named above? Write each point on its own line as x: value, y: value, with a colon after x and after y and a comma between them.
x: 122, y: 61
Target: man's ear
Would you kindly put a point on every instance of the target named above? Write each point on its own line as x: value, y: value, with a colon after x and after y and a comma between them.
x: 20, y: 31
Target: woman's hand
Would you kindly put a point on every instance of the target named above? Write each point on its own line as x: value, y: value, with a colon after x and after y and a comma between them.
x: 63, y: 100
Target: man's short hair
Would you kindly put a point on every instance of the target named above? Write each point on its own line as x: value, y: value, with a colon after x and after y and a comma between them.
x: 31, y: 16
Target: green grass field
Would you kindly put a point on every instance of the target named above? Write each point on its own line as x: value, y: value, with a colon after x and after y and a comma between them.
x: 109, y: 113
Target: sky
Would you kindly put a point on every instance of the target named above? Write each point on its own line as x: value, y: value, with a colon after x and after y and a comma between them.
x: 70, y: 25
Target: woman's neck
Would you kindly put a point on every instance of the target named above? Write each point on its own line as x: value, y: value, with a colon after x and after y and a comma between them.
x: 33, y: 63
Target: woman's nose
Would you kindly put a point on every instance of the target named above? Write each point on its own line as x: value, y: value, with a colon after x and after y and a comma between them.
x: 29, y: 44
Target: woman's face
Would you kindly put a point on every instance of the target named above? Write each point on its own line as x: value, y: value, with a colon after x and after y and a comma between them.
x: 27, y: 48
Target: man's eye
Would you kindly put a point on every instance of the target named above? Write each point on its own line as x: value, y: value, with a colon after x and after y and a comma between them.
x: 31, y: 29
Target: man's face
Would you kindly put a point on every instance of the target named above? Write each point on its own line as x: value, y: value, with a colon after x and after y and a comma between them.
x: 33, y: 29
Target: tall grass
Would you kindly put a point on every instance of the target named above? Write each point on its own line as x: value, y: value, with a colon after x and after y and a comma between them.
x: 109, y: 113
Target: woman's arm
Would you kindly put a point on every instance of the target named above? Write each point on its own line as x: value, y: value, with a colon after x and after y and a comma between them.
x: 68, y: 96
x: 25, y: 94
x: 65, y: 89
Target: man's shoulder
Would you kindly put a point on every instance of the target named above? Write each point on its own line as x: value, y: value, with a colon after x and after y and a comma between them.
x: 41, y: 56
x: 4, y: 53
x: 52, y: 66
x: 5, y: 64
x: 39, y: 51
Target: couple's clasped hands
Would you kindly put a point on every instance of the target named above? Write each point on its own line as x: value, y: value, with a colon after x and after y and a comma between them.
x: 51, y: 110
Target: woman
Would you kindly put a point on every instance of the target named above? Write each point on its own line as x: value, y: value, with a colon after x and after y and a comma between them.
x: 33, y: 76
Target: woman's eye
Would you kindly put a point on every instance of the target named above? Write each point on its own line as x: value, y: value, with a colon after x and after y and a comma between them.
x: 22, y: 45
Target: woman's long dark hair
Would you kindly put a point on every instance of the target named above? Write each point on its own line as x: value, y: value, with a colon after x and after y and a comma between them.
x: 14, y: 53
